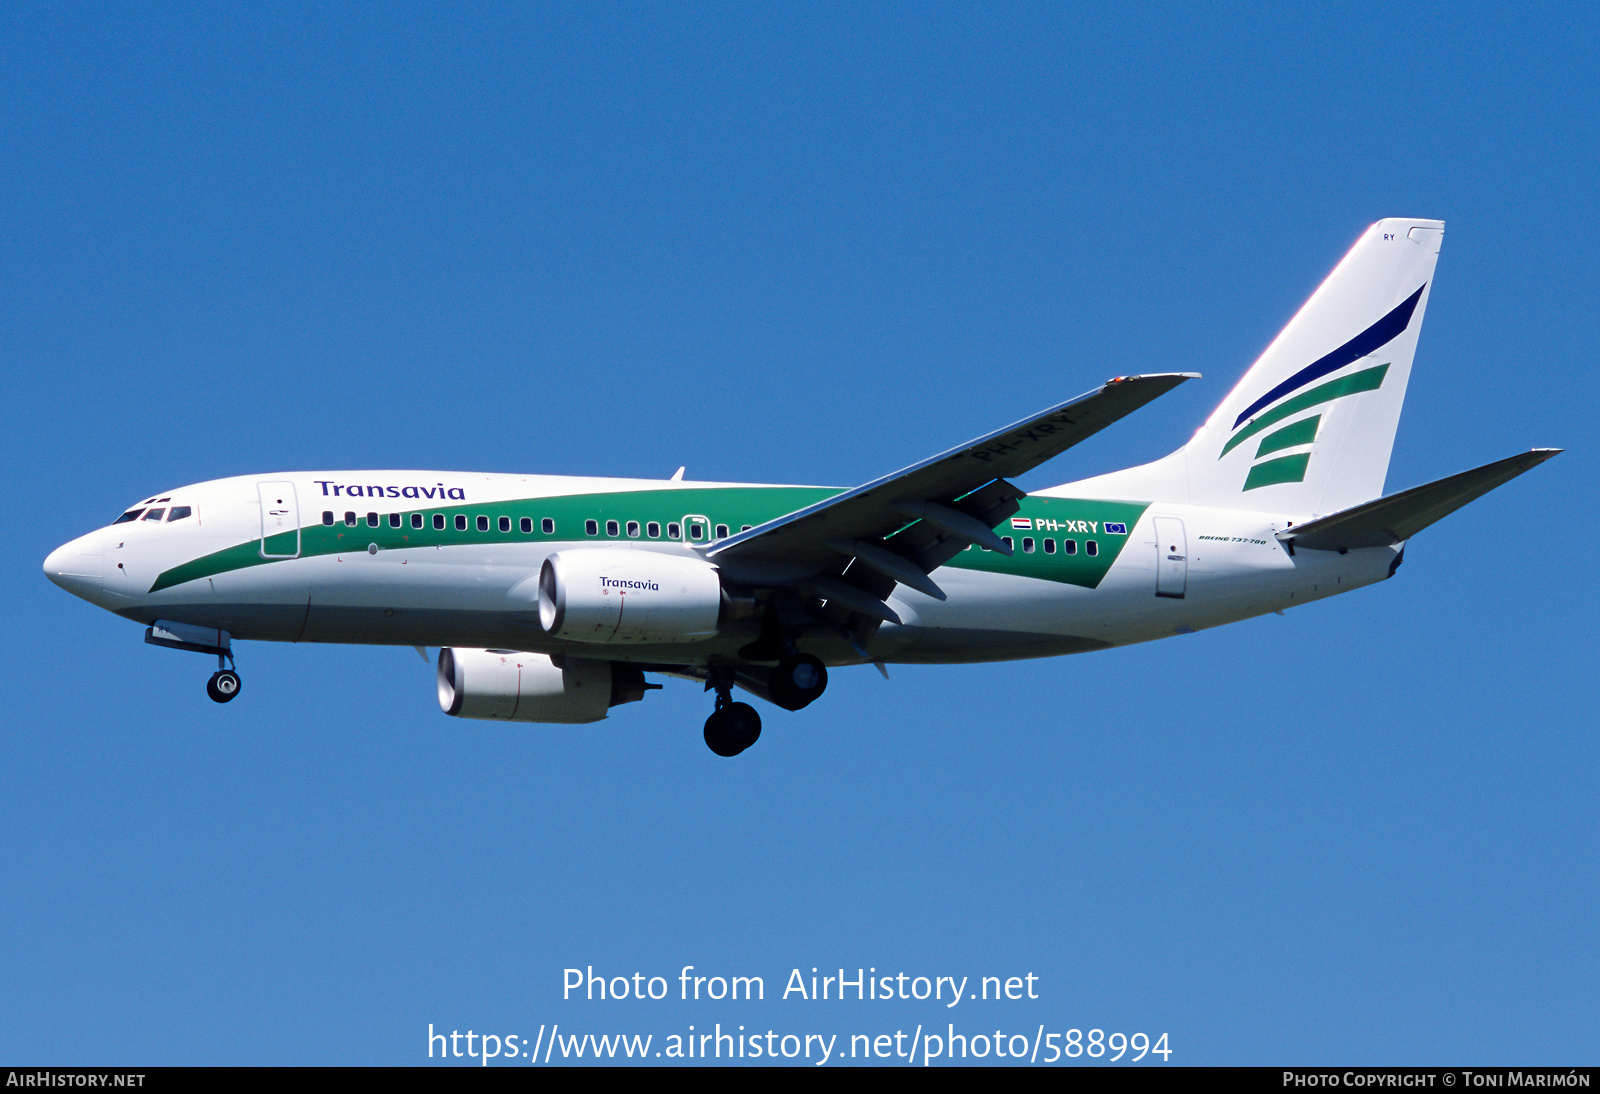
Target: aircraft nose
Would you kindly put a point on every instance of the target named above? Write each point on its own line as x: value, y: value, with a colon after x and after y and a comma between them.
x: 78, y: 567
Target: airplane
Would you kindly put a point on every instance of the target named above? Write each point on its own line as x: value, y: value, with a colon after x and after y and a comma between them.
x: 550, y: 598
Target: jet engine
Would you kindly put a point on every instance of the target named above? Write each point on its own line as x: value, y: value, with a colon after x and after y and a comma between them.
x: 590, y: 595
x: 507, y: 686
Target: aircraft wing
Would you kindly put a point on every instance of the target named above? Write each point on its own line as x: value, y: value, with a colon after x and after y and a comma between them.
x: 853, y: 547
x: 1398, y: 517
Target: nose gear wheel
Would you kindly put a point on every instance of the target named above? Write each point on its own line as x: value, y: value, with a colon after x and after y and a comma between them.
x: 223, y: 686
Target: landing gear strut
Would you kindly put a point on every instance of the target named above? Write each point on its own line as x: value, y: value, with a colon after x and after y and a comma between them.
x: 224, y: 683
x: 732, y: 727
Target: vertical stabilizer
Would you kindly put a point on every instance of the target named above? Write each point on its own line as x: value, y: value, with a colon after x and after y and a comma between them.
x: 1310, y: 427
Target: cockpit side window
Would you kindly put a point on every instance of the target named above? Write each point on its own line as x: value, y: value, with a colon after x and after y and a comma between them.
x: 154, y: 514
x: 131, y: 514
x: 179, y: 512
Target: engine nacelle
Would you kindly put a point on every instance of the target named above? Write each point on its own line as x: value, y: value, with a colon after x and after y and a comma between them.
x: 507, y: 686
x: 590, y: 595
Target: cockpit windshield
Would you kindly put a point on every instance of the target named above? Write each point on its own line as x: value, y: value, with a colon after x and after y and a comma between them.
x: 177, y: 512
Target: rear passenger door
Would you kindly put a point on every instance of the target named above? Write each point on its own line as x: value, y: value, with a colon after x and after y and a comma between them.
x: 1172, y: 558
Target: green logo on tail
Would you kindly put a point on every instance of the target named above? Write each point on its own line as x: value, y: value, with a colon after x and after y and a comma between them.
x: 1302, y: 432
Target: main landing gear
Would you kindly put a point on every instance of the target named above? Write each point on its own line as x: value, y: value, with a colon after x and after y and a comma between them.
x: 798, y: 681
x: 224, y: 683
x: 732, y: 727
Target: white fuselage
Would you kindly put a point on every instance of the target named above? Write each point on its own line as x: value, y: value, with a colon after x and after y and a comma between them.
x: 315, y: 581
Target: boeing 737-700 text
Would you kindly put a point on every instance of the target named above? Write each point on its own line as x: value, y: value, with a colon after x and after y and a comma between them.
x: 551, y: 598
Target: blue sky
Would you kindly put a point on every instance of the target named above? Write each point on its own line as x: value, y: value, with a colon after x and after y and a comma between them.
x: 794, y: 245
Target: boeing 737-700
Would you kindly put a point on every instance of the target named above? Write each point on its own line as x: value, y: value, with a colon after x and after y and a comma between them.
x: 525, y: 582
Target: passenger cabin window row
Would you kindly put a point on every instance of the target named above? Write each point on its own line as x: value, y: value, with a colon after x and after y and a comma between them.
x: 420, y: 520
x: 698, y: 527
x: 1068, y: 546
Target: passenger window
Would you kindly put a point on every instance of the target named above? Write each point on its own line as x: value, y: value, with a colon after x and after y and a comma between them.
x: 372, y: 520
x: 1049, y: 546
x: 178, y: 513
x: 548, y: 526
x: 697, y: 531
x: 653, y: 530
x: 1090, y: 547
x: 349, y: 520
x: 327, y: 517
x: 1070, y: 546
x: 591, y: 527
x: 526, y: 524
x: 154, y: 514
x: 505, y: 524
x: 613, y: 528
x: 633, y: 529
x: 1027, y: 545
x: 674, y: 531
x: 483, y: 523
x: 416, y: 520
x: 394, y: 520
x: 438, y: 522
x: 1007, y: 541
x: 131, y: 514
x: 722, y: 531
x: 745, y: 527
x: 461, y: 522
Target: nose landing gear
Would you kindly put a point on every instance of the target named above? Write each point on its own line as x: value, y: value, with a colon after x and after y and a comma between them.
x: 223, y: 686
x: 224, y: 683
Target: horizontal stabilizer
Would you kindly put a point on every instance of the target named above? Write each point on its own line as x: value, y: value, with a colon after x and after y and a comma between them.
x: 1400, y: 516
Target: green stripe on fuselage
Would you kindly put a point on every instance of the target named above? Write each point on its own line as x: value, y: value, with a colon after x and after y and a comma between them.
x: 1080, y: 521
x: 733, y: 506
x: 218, y: 562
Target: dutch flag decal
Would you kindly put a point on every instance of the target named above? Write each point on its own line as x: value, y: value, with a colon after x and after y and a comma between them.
x: 1022, y: 523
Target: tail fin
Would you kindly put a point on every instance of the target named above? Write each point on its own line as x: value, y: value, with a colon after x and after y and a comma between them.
x: 1310, y: 427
